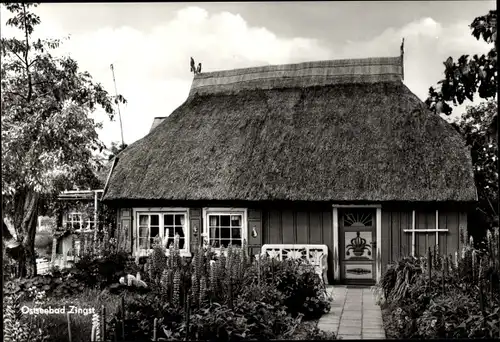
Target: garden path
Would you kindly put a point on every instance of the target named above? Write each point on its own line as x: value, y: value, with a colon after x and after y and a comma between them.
x: 354, y: 314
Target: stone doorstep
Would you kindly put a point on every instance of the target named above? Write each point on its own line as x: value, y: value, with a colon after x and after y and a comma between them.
x: 351, y: 317
x: 373, y: 327
x: 372, y: 317
x: 373, y: 332
x: 368, y: 328
x: 375, y: 337
x: 367, y: 323
x: 349, y: 331
x: 350, y: 337
x: 353, y: 308
x: 353, y: 324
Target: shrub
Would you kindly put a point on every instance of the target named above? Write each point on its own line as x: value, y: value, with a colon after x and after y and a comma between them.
x: 58, y: 285
x: 438, y: 297
x: 101, y: 271
x: 301, y: 287
x: 19, y: 327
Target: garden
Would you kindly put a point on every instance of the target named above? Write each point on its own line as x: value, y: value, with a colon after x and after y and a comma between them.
x: 222, y: 296
x: 444, y: 296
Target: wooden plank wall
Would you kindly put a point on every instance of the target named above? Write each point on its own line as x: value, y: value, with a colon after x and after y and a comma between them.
x: 397, y: 243
x: 195, y: 228
x: 124, y: 234
x: 287, y: 226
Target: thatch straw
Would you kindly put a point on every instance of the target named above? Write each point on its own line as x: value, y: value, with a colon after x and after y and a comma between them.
x: 340, y: 142
x: 301, y: 75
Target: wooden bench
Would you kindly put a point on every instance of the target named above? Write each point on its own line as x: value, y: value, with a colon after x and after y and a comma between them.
x: 317, y: 255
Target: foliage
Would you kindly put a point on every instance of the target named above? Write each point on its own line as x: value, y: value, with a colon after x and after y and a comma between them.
x: 101, y: 271
x: 61, y: 284
x: 399, y: 276
x: 297, y: 280
x: 19, y: 327
x: 115, y: 149
x: 469, y: 76
x: 222, y: 297
x: 445, y: 296
x: 49, y: 141
x: 474, y: 127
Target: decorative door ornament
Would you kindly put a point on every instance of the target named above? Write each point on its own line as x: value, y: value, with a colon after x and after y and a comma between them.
x: 358, y: 246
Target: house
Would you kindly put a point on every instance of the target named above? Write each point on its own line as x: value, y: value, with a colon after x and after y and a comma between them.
x: 336, y: 152
x: 78, y: 218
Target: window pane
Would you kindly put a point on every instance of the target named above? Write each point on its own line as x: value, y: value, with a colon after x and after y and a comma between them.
x: 179, y: 220
x: 214, y: 220
x: 169, y: 232
x: 155, y: 231
x: 143, y: 220
x: 155, y: 220
x: 236, y: 242
x: 181, y: 243
x: 236, y: 233
x: 224, y: 220
x: 143, y: 243
x: 225, y: 242
x: 215, y: 243
x: 143, y: 232
x: 179, y: 230
x: 236, y: 220
x: 225, y: 233
x: 214, y: 233
x: 168, y: 220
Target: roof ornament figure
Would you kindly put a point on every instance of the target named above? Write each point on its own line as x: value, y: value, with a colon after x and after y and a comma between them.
x: 193, y: 66
x: 195, y: 70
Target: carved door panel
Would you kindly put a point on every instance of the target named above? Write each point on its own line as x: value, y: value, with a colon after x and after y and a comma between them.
x: 357, y: 245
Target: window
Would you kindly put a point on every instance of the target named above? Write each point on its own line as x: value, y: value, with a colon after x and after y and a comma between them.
x: 164, y: 225
x: 414, y: 230
x: 74, y: 220
x: 223, y: 227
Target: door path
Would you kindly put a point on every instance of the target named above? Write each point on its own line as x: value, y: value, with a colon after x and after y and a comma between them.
x: 353, y: 314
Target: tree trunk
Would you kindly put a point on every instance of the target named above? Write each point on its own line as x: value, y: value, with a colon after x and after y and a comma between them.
x: 25, y: 220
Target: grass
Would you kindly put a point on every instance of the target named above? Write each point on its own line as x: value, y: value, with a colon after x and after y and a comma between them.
x: 81, y: 324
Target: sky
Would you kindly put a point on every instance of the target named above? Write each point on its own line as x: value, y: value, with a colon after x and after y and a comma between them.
x: 150, y: 44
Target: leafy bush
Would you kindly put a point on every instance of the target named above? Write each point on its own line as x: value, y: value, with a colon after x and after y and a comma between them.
x: 18, y: 327
x: 101, y: 271
x: 59, y: 285
x: 297, y: 280
x: 438, y: 297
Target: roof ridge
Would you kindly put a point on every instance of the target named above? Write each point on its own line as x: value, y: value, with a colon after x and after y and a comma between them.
x: 305, y: 74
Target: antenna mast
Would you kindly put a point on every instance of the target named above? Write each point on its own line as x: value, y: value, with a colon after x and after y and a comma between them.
x: 117, y: 103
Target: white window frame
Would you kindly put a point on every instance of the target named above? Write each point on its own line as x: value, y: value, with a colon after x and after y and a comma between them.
x: 413, y: 231
x: 186, y: 251
x: 82, y: 222
x: 225, y: 211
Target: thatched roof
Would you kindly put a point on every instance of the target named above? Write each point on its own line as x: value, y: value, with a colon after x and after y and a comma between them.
x: 346, y: 130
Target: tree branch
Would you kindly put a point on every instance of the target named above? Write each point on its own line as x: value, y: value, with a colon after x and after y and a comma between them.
x: 30, y: 86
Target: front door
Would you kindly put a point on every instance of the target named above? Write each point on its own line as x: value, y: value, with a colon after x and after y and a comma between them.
x: 357, y: 245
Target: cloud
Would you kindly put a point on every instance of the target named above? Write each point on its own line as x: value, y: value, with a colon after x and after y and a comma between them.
x: 152, y: 67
